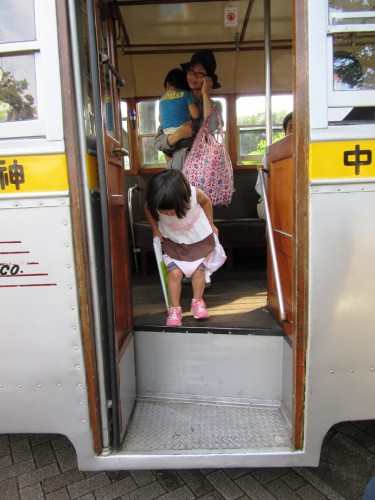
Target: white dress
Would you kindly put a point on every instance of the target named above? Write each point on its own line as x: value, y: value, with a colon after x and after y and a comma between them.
x: 189, y: 241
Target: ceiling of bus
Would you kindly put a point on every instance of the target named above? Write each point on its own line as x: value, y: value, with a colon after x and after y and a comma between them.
x: 161, y: 26
x: 161, y: 35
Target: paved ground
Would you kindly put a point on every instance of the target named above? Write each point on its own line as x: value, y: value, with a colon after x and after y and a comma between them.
x: 44, y: 466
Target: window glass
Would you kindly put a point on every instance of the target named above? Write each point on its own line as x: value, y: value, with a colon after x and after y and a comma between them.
x: 18, y: 98
x: 148, y: 123
x: 251, y: 125
x: 125, y: 132
x: 148, y: 117
x: 354, y: 61
x: 150, y: 155
x: 86, y: 73
x: 20, y: 25
x: 351, y: 11
x: 108, y: 96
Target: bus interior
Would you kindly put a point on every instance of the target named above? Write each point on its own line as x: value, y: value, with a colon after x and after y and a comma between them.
x: 155, y: 37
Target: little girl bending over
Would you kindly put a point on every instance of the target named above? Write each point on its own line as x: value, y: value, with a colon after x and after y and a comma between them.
x: 181, y: 216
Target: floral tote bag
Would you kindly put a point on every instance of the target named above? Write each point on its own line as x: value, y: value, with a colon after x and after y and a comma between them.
x: 208, y: 165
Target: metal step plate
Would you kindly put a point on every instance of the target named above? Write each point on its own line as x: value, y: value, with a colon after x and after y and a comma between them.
x: 159, y: 424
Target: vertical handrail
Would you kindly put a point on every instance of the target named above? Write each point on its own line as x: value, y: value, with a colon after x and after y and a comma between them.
x: 131, y: 219
x: 271, y: 241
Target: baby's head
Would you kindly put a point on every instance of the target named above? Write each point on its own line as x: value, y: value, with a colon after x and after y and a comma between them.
x: 168, y: 190
x: 176, y: 78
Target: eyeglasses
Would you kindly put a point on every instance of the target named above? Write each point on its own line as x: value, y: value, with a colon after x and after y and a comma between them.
x: 197, y: 74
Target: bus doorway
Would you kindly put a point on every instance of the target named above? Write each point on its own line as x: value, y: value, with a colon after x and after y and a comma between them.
x: 240, y: 355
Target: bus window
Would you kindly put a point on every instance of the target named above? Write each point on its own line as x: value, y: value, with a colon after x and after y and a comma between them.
x: 148, y: 123
x: 251, y: 125
x: 29, y: 102
x: 351, y: 60
x: 125, y: 132
x: 18, y: 99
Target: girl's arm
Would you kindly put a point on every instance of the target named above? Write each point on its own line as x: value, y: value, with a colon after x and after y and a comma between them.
x: 153, y: 224
x: 206, y: 204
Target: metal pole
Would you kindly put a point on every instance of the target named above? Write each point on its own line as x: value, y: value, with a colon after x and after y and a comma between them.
x: 267, y: 66
x: 272, y: 246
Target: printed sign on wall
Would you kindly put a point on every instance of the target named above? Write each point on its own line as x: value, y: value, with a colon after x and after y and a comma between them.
x: 230, y: 17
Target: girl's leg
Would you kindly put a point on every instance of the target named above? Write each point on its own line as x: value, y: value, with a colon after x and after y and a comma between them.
x: 174, y: 286
x: 198, y: 283
x: 198, y: 307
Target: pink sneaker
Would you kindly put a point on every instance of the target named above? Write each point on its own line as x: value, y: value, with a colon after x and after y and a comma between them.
x: 198, y: 308
x: 174, y: 316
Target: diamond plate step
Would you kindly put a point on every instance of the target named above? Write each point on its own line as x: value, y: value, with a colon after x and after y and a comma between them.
x: 159, y: 424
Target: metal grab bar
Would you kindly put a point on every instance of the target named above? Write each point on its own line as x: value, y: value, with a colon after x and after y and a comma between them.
x: 131, y: 190
x: 275, y: 266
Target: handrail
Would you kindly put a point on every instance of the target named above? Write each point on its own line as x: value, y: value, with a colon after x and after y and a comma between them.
x: 131, y: 190
x: 275, y: 266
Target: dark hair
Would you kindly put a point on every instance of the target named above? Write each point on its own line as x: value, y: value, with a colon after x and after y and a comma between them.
x: 348, y: 68
x: 168, y: 190
x: 206, y: 58
x: 177, y: 78
x: 286, y: 120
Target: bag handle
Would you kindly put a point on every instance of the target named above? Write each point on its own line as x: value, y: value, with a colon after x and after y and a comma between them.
x: 204, y: 128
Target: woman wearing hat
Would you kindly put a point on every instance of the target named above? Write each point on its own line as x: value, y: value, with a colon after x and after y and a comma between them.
x: 201, y: 78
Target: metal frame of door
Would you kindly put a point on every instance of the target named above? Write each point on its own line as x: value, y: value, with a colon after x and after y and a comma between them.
x: 113, y: 203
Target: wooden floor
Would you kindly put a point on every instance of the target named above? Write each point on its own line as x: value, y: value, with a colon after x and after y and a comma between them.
x: 237, y: 298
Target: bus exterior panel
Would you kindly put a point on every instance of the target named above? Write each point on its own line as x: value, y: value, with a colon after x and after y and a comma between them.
x: 42, y: 374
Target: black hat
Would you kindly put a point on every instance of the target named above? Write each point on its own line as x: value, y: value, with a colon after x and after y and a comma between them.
x: 207, y: 59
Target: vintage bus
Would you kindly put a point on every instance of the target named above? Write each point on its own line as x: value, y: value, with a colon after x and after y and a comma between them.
x: 288, y: 350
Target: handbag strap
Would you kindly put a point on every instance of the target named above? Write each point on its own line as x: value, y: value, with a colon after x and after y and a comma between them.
x: 219, y: 121
x: 204, y: 127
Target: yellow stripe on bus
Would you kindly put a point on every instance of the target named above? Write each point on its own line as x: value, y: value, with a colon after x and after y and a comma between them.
x: 92, y: 172
x: 26, y: 174
x: 342, y: 160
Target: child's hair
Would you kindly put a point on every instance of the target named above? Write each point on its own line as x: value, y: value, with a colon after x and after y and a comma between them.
x: 168, y: 190
x: 286, y: 120
x: 177, y: 78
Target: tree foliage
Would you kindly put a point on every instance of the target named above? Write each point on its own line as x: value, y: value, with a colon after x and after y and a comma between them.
x: 18, y: 104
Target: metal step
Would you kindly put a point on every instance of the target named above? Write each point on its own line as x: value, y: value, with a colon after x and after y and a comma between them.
x: 162, y: 425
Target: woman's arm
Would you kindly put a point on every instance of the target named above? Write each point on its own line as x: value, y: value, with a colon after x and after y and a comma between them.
x: 206, y: 204
x: 166, y: 143
x: 186, y: 130
x: 206, y: 91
